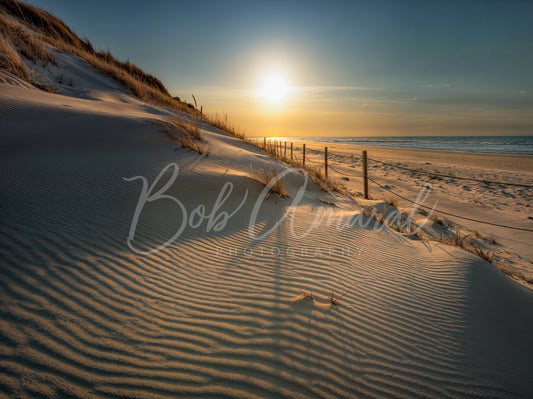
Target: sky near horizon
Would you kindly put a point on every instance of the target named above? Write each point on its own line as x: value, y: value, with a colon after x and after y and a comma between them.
x: 339, y: 68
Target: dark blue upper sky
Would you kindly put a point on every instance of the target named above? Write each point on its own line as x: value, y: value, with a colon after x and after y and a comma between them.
x: 424, y: 58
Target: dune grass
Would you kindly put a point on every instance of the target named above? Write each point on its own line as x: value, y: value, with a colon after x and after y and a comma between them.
x: 190, y: 126
x: 31, y: 30
x: 467, y: 243
x: 185, y: 133
x: 24, y: 41
x: 15, y: 43
x: 222, y: 123
x: 266, y: 176
x: 10, y: 59
x: 393, y: 202
x: 455, y: 239
x: 437, y: 219
x: 316, y: 173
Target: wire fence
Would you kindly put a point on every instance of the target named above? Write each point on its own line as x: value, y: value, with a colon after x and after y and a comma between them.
x: 340, y: 173
x: 447, y: 213
x: 327, y: 165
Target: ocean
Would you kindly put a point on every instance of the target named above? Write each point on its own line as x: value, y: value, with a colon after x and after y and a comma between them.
x: 518, y: 145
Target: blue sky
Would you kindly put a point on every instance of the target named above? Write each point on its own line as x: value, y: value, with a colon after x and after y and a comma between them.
x: 355, y: 68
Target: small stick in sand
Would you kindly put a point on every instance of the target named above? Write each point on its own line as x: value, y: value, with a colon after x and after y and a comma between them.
x: 308, y: 294
x: 334, y: 300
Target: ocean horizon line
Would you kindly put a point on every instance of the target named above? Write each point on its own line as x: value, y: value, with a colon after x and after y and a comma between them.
x: 506, y: 145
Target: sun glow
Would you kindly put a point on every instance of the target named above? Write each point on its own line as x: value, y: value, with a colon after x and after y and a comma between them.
x: 274, y: 89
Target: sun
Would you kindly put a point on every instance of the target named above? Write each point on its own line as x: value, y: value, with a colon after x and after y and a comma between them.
x: 274, y: 89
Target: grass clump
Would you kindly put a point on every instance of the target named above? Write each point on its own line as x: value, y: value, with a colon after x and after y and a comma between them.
x: 10, y: 59
x: 457, y: 240
x: 25, y: 41
x: 316, y: 173
x: 44, y: 87
x: 483, y: 254
x: 466, y: 242
x: 221, y: 122
x: 192, y: 144
x: 185, y: 133
x: 393, y: 202
x: 269, y: 176
x: 326, y: 202
x: 437, y: 219
x: 190, y: 127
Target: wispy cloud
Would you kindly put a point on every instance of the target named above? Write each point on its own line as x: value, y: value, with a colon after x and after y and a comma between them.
x: 508, y: 101
x: 390, y: 100
x: 440, y: 85
x: 296, y: 94
x: 299, y: 89
x: 331, y: 88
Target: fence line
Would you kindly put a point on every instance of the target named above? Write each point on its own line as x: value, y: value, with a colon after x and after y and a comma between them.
x: 340, y: 173
x: 307, y: 160
x: 364, y: 158
x: 447, y: 213
x: 326, y: 162
x: 311, y: 150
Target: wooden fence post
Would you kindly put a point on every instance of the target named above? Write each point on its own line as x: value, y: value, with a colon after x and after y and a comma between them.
x: 264, y: 143
x: 304, y: 156
x: 326, y: 161
x: 365, y: 175
x: 291, y: 152
x: 285, y: 149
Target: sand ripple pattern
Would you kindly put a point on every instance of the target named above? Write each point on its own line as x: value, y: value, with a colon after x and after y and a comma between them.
x: 219, y: 314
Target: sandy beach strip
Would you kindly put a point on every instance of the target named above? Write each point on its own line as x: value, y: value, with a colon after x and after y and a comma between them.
x: 502, y: 204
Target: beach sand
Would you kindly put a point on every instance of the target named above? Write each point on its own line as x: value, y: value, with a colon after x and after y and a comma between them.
x: 218, y: 312
x: 494, y: 203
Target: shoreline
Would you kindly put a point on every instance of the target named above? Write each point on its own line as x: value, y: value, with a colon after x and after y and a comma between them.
x: 427, y: 140
x: 506, y: 162
x: 392, y: 148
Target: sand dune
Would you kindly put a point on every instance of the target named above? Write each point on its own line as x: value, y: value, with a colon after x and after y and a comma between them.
x: 217, y: 313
